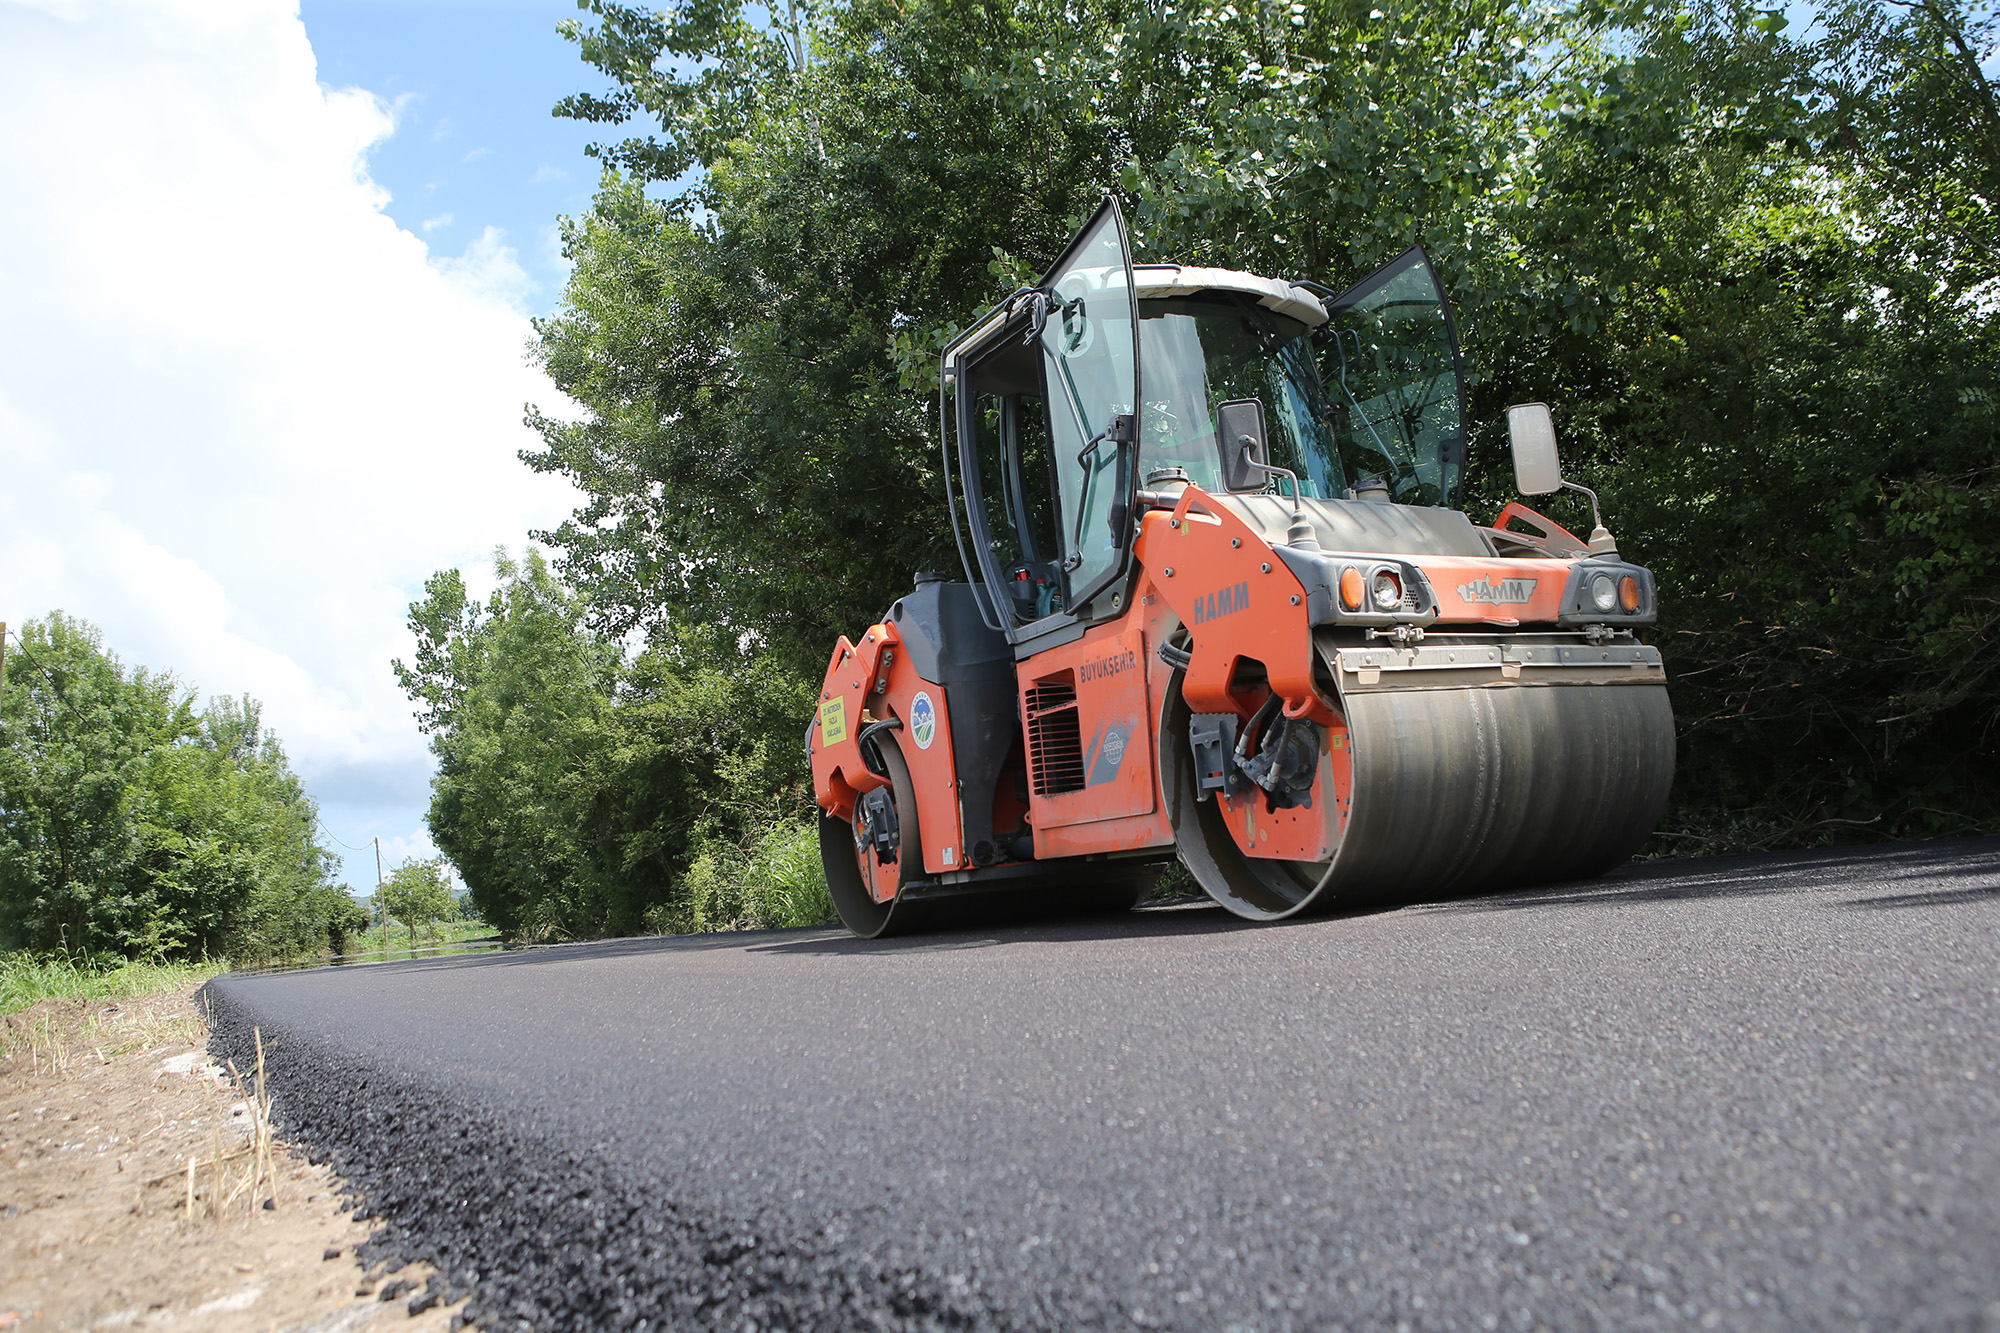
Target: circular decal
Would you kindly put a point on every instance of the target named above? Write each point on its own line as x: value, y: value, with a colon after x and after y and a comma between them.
x: 923, y: 720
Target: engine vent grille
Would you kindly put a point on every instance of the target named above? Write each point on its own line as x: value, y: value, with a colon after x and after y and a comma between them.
x: 1055, y: 738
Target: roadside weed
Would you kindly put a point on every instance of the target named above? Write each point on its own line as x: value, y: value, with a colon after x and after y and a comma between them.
x: 26, y: 978
x: 248, y: 1170
x: 774, y: 881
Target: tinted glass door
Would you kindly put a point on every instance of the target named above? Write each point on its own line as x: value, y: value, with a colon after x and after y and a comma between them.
x: 1391, y: 364
x: 1015, y: 497
x: 1090, y: 347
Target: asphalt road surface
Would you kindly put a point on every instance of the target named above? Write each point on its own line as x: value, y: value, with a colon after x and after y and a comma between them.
x: 1758, y: 1092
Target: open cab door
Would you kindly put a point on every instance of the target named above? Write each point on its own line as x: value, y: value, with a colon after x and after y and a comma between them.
x: 1390, y: 360
x: 1089, y: 334
x: 1047, y: 437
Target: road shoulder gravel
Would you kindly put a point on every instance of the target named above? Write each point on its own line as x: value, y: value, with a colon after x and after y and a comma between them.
x: 102, y: 1106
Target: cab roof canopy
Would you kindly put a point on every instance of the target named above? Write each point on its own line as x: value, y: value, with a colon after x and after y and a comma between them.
x: 1157, y: 280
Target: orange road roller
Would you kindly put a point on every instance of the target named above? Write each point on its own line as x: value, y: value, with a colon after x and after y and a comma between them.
x: 1220, y: 605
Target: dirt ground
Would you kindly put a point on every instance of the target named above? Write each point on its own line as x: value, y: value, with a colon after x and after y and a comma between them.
x: 102, y: 1226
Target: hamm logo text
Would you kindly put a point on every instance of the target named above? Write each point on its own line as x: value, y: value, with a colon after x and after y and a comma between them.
x: 1508, y: 592
x: 1225, y: 602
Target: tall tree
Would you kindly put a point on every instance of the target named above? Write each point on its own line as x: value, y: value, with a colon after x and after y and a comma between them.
x: 418, y: 894
x: 80, y: 733
x: 753, y: 455
x: 575, y: 785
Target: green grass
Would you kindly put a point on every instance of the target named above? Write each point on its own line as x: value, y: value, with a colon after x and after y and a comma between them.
x: 26, y: 978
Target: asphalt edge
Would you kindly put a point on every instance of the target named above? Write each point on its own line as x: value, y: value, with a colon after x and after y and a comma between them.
x: 540, y: 1238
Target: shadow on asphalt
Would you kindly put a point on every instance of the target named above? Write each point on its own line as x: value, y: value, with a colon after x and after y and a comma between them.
x: 1195, y: 916
x: 1190, y: 917
x: 1940, y: 898
x: 1187, y: 917
x: 1772, y: 874
x: 1755, y: 875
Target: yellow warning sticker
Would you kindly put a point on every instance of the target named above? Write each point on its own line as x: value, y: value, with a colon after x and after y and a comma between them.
x: 833, y: 721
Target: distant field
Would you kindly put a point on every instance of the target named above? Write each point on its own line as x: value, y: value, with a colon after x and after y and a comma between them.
x: 28, y: 978
x: 382, y: 945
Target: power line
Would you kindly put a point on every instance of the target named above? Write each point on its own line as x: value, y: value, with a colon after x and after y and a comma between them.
x: 329, y: 833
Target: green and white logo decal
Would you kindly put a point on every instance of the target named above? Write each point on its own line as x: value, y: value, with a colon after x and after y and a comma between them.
x: 923, y: 720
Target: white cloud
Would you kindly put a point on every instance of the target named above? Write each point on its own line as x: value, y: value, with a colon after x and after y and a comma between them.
x: 432, y: 224
x: 490, y: 271
x: 243, y: 415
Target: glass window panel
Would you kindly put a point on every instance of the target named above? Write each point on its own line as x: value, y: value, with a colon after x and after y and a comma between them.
x: 1036, y: 479
x: 1087, y: 342
x: 1018, y: 497
x: 1394, y: 378
x: 989, y: 418
x: 1200, y: 352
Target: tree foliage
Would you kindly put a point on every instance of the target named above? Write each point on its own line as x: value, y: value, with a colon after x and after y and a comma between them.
x: 576, y: 783
x: 1753, y: 270
x: 418, y: 894
x: 754, y: 455
x: 132, y: 824
x: 1784, y: 400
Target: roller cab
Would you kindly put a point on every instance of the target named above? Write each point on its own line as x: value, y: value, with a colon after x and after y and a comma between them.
x: 1220, y: 606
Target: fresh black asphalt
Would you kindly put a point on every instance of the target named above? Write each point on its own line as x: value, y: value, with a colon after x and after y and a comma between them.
x: 1756, y: 1092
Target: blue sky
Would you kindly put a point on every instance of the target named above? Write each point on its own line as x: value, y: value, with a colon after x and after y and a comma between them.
x: 471, y: 84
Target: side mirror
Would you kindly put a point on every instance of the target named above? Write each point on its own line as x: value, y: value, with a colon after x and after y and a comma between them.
x: 1239, y: 433
x: 1537, y: 470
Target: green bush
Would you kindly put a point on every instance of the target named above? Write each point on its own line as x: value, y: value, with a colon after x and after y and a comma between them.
x: 775, y: 881
x: 345, y: 918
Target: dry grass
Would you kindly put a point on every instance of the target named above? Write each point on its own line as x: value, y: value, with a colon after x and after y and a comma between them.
x: 148, y: 1186
x: 54, y: 1033
x: 248, y: 1171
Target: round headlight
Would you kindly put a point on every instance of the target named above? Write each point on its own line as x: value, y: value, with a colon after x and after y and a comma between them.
x: 1603, y: 592
x: 1388, y: 590
x: 1628, y: 594
x: 1351, y: 588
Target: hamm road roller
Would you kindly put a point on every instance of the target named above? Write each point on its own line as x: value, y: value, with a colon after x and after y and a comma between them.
x: 1220, y: 605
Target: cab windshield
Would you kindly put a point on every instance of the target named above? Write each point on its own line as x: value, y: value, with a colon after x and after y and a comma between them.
x: 1199, y: 352
x: 1391, y: 360
x: 1388, y: 407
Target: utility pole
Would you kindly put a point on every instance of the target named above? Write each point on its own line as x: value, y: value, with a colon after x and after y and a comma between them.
x: 381, y: 922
